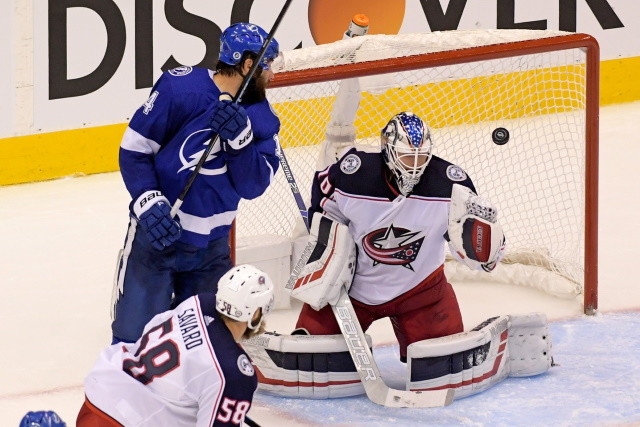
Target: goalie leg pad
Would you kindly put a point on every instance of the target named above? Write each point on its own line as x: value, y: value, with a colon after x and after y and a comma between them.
x: 468, y: 362
x: 327, y: 263
x: 471, y: 362
x: 307, y: 366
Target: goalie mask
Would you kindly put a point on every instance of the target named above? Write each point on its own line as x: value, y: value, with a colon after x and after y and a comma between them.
x: 242, y: 291
x: 406, y: 148
x: 242, y: 37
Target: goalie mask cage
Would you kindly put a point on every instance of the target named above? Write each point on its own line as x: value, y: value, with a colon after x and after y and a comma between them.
x: 541, y: 86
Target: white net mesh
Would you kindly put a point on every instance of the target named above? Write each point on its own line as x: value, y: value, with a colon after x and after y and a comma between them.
x: 536, y: 179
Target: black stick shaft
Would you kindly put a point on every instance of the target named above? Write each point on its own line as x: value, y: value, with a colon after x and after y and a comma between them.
x: 248, y: 421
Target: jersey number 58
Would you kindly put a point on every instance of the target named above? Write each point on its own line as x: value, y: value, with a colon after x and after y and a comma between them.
x: 160, y: 359
x: 233, y: 411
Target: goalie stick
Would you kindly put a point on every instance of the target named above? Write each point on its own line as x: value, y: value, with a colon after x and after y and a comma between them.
x: 237, y: 98
x: 374, y: 386
x: 376, y: 389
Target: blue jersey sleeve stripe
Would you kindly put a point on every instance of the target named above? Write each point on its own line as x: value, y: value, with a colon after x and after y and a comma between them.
x: 133, y: 141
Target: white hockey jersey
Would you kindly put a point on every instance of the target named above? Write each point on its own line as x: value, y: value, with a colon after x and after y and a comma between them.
x: 185, y: 370
x: 400, y: 239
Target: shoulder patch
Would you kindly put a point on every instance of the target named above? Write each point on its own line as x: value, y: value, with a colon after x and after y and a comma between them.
x: 180, y: 71
x: 455, y: 173
x: 350, y: 164
x: 245, y: 366
x: 148, y: 104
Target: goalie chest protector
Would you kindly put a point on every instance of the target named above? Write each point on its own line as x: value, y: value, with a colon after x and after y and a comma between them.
x: 400, y: 239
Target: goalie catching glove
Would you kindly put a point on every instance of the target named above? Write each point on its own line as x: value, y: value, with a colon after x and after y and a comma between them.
x: 327, y: 263
x: 474, y: 235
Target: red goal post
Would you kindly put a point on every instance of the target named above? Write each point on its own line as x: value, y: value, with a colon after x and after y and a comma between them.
x: 542, y: 86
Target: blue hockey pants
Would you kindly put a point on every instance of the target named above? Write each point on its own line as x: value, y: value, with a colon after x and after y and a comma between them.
x: 150, y: 281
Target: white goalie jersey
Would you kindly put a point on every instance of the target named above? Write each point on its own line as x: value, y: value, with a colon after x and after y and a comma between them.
x: 399, y: 239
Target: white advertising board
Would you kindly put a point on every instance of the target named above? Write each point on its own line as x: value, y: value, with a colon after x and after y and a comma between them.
x: 94, y: 64
x: 614, y: 23
x: 6, y: 77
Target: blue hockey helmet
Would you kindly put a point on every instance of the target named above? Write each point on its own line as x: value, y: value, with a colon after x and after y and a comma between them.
x: 42, y: 419
x: 242, y: 37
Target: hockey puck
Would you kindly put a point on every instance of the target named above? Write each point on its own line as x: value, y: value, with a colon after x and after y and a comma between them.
x: 500, y: 136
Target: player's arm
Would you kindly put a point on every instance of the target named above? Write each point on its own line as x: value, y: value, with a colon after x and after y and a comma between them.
x: 475, y: 237
x: 151, y: 125
x: 323, y: 190
x: 252, y: 170
x: 250, y: 141
x: 209, y: 402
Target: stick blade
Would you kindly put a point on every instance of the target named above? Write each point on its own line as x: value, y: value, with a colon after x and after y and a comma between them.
x: 418, y: 399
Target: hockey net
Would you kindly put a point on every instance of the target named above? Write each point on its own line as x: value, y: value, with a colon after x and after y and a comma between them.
x: 541, y: 86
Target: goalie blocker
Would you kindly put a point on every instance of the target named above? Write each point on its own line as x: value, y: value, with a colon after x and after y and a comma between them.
x: 327, y: 264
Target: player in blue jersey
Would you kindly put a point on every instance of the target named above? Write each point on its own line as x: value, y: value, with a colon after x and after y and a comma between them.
x: 398, y: 205
x: 166, y: 260
x: 187, y: 369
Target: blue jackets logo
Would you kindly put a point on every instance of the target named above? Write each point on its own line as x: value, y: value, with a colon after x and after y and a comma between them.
x: 392, y: 246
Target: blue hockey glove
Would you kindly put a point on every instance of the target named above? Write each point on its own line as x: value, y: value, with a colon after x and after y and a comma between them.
x: 232, y: 123
x: 42, y: 419
x: 153, y: 212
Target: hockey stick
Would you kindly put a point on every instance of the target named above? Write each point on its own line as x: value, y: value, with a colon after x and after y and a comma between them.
x: 249, y: 422
x: 237, y: 98
x: 293, y: 185
x: 375, y: 387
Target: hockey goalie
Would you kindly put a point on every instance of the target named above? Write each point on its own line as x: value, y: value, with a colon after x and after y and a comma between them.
x: 380, y: 225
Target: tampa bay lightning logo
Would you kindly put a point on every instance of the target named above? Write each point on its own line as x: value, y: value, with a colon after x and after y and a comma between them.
x: 192, y: 150
x: 393, y: 246
x: 180, y: 71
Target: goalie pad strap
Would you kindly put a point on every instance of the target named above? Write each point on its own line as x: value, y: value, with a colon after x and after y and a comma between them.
x: 309, y: 366
x: 470, y: 362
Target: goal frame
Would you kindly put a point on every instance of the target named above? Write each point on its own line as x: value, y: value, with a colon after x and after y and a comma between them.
x: 489, y: 52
